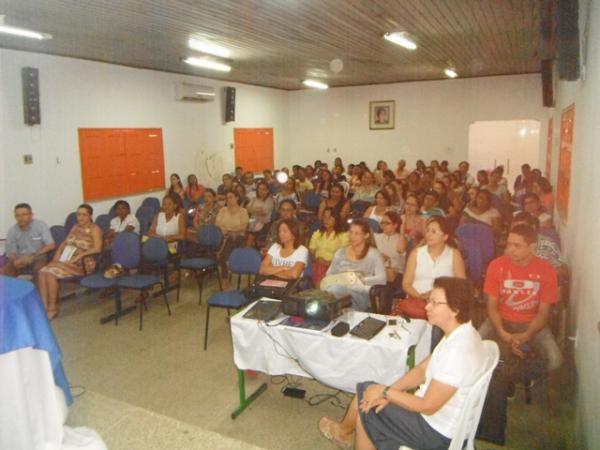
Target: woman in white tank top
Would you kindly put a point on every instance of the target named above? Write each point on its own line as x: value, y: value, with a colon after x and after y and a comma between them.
x: 379, y: 207
x: 437, y: 258
x: 169, y: 224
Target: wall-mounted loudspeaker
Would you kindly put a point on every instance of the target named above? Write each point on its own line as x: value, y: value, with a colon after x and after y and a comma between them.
x: 31, y: 96
x: 229, y: 104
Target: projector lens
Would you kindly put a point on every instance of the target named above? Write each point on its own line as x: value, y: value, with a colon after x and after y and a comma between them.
x: 312, y: 308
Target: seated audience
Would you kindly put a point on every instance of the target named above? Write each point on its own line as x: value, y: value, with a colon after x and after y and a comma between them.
x: 543, y: 189
x: 28, y: 243
x: 288, y: 192
x: 521, y: 290
x: 225, y: 187
x: 437, y: 257
x: 337, y: 201
x: 367, y: 189
x: 194, y: 190
x: 392, y: 246
x: 465, y: 177
x: 206, y: 214
x: 497, y: 187
x: 362, y: 258
x: 324, y: 183
x: 395, y: 192
x: 481, y: 211
x: 123, y: 221
x: 240, y: 190
x: 286, y: 211
x: 413, y: 183
x: 176, y: 186
x: 72, y: 258
x: 531, y: 203
x: 389, y: 417
x: 248, y: 183
x: 402, y: 172
x: 355, y: 177
x: 286, y: 258
x: 430, y: 206
x: 413, y: 223
x: 482, y: 179
x: 260, y: 211
x: 325, y: 242
x: 443, y: 200
x: 233, y: 220
x: 379, y: 207
x: 169, y: 223
x: 302, y: 183
x: 380, y: 169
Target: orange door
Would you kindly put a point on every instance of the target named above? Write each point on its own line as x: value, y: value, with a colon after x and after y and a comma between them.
x: 253, y: 148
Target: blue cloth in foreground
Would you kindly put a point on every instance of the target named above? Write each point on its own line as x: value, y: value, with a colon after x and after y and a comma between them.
x: 23, y: 323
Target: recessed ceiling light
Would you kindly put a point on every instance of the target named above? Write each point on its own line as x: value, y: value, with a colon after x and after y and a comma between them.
x: 209, y: 47
x: 23, y: 32
x: 315, y: 84
x: 451, y: 73
x: 207, y: 64
x: 401, y: 38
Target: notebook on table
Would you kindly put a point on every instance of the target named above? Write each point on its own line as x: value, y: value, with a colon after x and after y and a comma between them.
x: 265, y: 310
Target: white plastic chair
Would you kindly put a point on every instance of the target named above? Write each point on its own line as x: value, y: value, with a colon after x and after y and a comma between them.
x: 471, y: 413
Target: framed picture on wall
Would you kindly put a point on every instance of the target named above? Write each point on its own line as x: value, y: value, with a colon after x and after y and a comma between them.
x: 382, y: 115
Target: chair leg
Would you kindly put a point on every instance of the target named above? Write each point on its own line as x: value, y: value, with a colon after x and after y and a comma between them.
x: 118, y: 305
x: 166, y: 299
x: 142, y: 305
x: 200, y: 280
x: 206, y: 325
x: 219, y: 279
x: 178, y: 282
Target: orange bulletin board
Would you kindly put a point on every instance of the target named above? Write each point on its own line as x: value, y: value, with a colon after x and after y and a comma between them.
x: 549, y: 148
x: 563, y: 185
x: 253, y: 148
x: 120, y: 161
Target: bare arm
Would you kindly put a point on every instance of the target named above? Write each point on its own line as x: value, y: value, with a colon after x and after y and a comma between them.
x: 180, y: 236
x: 459, y: 265
x: 496, y: 320
x: 409, y: 276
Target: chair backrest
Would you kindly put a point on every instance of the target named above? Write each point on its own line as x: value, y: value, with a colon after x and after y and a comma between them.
x: 112, y: 212
x: 313, y: 227
x: 483, y: 234
x: 126, y: 250
x: 210, y: 236
x: 244, y: 261
x: 375, y: 226
x: 474, y: 260
x: 145, y: 215
x: 153, y: 203
x: 59, y: 233
x: 70, y: 221
x: 471, y: 413
x: 155, y: 250
x: 312, y: 200
x: 103, y: 221
x: 359, y: 207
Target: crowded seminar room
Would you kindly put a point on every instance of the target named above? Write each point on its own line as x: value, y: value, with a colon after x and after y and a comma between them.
x: 299, y: 224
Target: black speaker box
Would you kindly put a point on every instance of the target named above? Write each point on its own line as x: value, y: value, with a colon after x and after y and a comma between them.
x: 31, y: 96
x: 229, y: 104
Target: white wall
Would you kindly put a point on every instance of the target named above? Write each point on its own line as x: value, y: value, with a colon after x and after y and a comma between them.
x: 432, y: 118
x: 580, y: 233
x: 77, y: 94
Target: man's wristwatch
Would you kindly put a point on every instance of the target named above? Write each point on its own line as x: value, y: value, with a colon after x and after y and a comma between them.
x: 385, y: 392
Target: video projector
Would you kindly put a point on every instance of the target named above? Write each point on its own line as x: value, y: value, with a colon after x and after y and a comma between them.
x: 315, y: 304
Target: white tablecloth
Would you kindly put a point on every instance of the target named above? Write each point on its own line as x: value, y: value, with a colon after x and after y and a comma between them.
x: 33, y: 409
x: 337, y: 362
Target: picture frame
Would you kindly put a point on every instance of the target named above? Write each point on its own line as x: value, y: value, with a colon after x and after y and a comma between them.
x: 382, y: 115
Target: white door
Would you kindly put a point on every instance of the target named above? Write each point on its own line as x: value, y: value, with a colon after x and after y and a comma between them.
x: 508, y: 143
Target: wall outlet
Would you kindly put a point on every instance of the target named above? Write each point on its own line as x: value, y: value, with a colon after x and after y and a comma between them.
x: 27, y: 159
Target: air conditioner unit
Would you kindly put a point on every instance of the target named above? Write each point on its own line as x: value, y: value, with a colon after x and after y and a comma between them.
x: 188, y: 92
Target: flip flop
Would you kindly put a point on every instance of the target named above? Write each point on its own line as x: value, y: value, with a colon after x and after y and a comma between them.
x: 325, y: 427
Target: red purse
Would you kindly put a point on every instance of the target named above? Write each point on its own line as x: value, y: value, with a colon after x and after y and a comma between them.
x: 411, y: 307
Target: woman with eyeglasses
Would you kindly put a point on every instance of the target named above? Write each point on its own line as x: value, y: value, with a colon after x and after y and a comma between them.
x: 413, y: 223
x: 74, y: 257
x: 389, y: 417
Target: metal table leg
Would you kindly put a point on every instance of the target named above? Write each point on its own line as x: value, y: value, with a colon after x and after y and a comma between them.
x: 245, y: 402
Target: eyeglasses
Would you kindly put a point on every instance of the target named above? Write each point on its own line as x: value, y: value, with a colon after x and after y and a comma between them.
x: 434, y: 303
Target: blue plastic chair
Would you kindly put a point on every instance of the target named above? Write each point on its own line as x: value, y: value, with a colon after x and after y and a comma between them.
x: 59, y: 234
x: 210, y: 238
x: 153, y: 203
x: 473, y: 259
x: 242, y: 261
x: 359, y: 207
x: 103, y: 221
x: 145, y: 216
x: 155, y: 254
x: 70, y: 221
x: 125, y: 251
x: 483, y: 235
x: 312, y: 200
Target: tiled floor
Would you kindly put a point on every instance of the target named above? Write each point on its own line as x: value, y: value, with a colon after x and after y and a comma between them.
x: 158, y: 389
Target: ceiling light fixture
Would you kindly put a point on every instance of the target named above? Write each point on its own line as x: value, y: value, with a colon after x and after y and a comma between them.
x: 22, y: 32
x: 208, y: 47
x: 315, y: 84
x: 207, y: 64
x: 401, y: 38
x: 451, y: 73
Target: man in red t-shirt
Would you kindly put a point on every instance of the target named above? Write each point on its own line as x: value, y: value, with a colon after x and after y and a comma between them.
x: 521, y: 289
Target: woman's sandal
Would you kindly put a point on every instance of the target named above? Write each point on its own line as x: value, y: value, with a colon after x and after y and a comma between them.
x: 326, y: 429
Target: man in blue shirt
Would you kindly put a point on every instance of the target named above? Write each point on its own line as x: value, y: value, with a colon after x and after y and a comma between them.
x: 28, y: 243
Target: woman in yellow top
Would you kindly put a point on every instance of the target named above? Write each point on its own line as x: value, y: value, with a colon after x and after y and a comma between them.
x: 325, y: 242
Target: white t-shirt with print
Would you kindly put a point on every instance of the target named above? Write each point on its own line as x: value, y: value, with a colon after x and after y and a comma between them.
x: 118, y: 225
x: 299, y: 255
